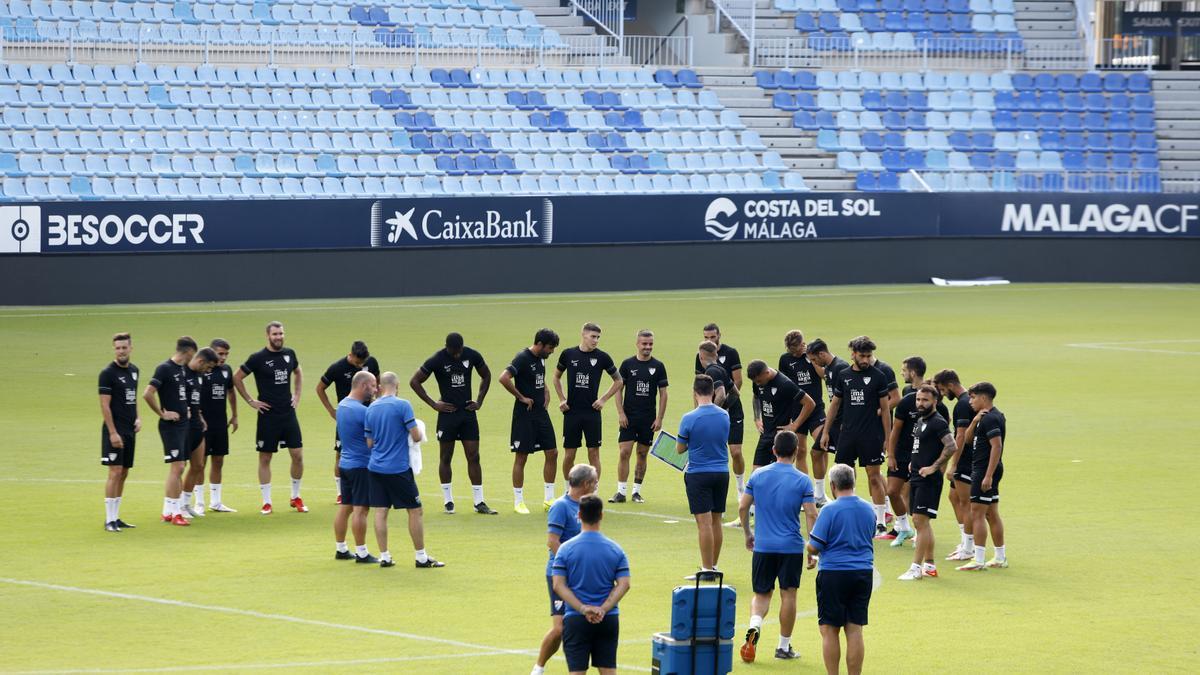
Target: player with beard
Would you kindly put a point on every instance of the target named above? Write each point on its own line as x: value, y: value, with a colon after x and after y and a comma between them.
x: 823, y: 445
x: 118, y: 436
x: 214, y: 395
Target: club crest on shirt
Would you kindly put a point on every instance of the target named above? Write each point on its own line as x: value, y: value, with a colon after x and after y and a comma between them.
x: 466, y: 363
x: 593, y: 361
x: 134, y: 376
x: 866, y: 380
x: 721, y: 359
x: 223, y: 374
x: 773, y: 390
x: 287, y: 359
x: 653, y: 370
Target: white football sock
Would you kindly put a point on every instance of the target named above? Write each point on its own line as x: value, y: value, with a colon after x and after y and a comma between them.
x: 538, y: 670
x: 902, y: 523
x: 342, y: 547
x: 214, y: 493
x: 980, y: 552
x: 167, y: 507
x: 338, y: 483
x: 741, y: 482
x: 198, y: 495
x: 266, y: 492
x: 887, y: 505
x: 477, y: 493
x: 999, y: 552
x: 447, y: 493
x: 187, y: 499
x: 637, y: 488
x: 756, y: 621
x: 422, y: 556
x: 785, y: 641
x: 622, y: 488
x: 819, y: 488
x: 110, y: 507
x: 548, y: 491
x: 295, y: 488
x: 518, y: 495
x: 879, y: 514
x: 116, y: 508
x: 361, y: 551
x: 968, y: 542
x: 385, y: 555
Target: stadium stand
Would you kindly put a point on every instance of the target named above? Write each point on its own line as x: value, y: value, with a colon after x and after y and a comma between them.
x: 95, y: 131
x: 977, y: 131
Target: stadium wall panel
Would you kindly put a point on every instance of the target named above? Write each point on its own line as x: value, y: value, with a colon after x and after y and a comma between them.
x: 395, y: 272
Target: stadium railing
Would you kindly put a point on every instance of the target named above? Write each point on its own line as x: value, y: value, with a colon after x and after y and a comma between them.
x: 355, y: 48
x: 911, y: 53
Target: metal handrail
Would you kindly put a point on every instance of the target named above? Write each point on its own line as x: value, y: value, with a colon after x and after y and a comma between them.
x: 663, y: 39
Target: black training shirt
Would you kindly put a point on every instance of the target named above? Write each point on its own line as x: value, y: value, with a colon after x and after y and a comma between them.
x: 171, y: 383
x: 643, y: 379
x: 989, y: 427
x: 340, y: 374
x: 927, y: 441
x: 801, y: 371
x: 583, y: 371
x: 781, y: 400
x: 529, y: 377
x: 214, y: 394
x: 453, y: 375
x: 273, y: 374
x: 860, y: 392
x: 121, y: 384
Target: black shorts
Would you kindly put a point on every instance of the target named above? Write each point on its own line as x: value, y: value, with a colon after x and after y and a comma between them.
x: 737, y: 423
x: 174, y: 437
x: 278, y: 431
x: 532, y: 431
x: 843, y: 596
x: 195, y: 438
x: 460, y: 425
x: 706, y: 491
x: 924, y: 494
x: 812, y: 425
x: 901, y: 471
x: 582, y: 427
x: 583, y: 640
x: 767, y: 568
x: 835, y: 432
x: 558, y: 606
x: 764, y: 453
x: 640, y: 431
x: 356, y: 487
x: 978, y: 494
x: 337, y: 441
x: 962, y: 470
x: 216, y: 439
x: 866, y: 450
x: 110, y: 456
x: 392, y: 491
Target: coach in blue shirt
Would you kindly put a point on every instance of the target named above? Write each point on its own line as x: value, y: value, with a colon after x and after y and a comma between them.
x: 704, y: 435
x: 779, y: 493
x: 591, y: 575
x: 352, y: 464
x: 390, y: 425
x: 842, y: 538
x: 562, y: 525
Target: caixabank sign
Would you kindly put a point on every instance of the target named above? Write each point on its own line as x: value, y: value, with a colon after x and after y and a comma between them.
x: 52, y: 228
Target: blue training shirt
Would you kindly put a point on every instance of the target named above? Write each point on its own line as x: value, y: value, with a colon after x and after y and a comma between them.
x: 780, y: 492
x: 388, y: 421
x: 844, y: 534
x: 351, y: 420
x: 562, y: 520
x: 705, y: 430
x: 591, y: 563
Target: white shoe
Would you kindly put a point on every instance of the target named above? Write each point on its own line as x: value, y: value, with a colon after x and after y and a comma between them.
x: 735, y: 523
x: 221, y: 508
x: 186, y: 512
x: 199, y: 509
x: 960, y: 554
x: 911, y: 575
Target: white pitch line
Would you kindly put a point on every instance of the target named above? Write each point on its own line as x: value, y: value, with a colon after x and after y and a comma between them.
x: 1128, y: 346
x: 798, y: 294
x: 259, y: 615
x: 260, y: 666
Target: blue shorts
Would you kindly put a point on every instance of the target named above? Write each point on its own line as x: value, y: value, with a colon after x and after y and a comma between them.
x: 393, y: 491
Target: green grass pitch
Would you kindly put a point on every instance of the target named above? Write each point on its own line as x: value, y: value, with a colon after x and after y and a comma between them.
x: 1097, y: 381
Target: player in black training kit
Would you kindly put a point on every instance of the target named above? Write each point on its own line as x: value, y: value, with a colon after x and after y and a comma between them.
x: 899, y: 449
x: 532, y: 431
x: 795, y: 364
x: 167, y: 396
x: 643, y: 377
x: 457, y: 420
x: 860, y: 394
x: 200, y: 365
x: 729, y: 359
x: 277, y: 375
x: 986, y: 436
x: 725, y: 393
x: 825, y: 439
x: 339, y: 373
x: 118, y: 435
x: 958, y: 469
x: 581, y: 403
x: 214, y: 396
x: 931, y: 445
x: 780, y: 405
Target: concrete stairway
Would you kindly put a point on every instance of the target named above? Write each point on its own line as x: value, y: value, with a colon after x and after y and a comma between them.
x: 1049, y: 26
x: 736, y: 89
x: 1175, y: 97
x: 551, y: 14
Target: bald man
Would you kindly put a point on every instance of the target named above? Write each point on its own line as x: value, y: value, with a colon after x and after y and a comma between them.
x: 351, y: 416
